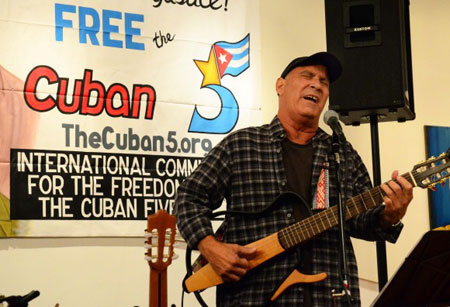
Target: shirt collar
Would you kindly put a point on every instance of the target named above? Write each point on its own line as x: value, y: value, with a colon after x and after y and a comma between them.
x: 277, y: 131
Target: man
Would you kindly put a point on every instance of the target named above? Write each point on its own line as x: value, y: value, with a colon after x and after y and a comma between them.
x: 252, y: 166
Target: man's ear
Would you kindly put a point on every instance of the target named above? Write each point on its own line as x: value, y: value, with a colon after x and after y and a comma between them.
x: 279, y: 85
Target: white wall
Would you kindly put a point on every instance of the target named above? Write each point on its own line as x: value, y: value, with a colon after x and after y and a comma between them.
x: 112, y: 271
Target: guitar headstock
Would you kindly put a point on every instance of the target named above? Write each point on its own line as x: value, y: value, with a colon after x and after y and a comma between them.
x: 160, y: 234
x: 433, y: 171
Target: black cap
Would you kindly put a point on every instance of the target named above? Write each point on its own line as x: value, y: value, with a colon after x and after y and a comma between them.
x: 334, y: 68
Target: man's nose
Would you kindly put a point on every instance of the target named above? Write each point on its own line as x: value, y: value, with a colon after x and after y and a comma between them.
x: 316, y: 84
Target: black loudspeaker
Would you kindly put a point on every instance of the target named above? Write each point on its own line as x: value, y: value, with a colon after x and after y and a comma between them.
x: 372, y: 40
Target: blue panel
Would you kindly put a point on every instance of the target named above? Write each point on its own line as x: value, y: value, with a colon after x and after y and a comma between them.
x: 438, y: 141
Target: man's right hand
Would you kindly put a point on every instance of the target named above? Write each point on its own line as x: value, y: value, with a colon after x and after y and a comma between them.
x: 230, y: 261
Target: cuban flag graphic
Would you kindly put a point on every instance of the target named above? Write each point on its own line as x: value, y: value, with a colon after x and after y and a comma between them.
x: 232, y: 58
x: 224, y: 59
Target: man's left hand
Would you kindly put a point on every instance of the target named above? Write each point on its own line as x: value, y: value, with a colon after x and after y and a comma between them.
x: 398, y: 196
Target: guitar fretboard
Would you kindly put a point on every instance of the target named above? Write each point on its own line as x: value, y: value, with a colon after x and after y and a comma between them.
x: 312, y: 226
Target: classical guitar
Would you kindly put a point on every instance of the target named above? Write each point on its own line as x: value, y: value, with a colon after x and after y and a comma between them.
x: 425, y: 175
x: 160, y: 235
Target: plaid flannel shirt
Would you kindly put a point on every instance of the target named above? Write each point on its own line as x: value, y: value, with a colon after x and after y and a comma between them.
x: 246, y: 169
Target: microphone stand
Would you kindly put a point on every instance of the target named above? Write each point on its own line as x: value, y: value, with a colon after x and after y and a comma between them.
x: 341, y: 223
x: 381, y: 245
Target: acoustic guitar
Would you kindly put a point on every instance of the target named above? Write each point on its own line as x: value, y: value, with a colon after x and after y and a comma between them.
x: 160, y: 235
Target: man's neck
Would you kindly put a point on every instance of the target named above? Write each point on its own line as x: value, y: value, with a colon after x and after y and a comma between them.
x: 300, y: 132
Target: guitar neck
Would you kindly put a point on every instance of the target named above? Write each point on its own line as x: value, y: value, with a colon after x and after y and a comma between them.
x: 310, y: 227
x: 158, y: 288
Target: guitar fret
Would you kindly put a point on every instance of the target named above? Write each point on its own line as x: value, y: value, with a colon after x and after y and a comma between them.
x: 355, y: 209
x: 290, y: 239
x: 362, y: 200
x: 356, y: 206
x: 373, y: 201
x: 299, y: 235
x: 303, y: 236
x: 348, y: 211
x: 313, y: 230
x: 316, y: 229
x: 320, y: 219
x: 326, y: 215
x: 296, y: 238
x: 334, y: 212
x: 326, y: 218
x: 380, y: 191
x: 412, y: 179
x: 283, y: 238
x: 306, y: 228
x: 351, y: 207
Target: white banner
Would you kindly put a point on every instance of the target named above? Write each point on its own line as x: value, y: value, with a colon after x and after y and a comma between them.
x: 105, y: 106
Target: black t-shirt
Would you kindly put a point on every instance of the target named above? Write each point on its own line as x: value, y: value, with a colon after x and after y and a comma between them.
x: 297, y: 159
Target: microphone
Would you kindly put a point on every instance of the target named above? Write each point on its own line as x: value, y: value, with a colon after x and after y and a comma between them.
x: 331, y: 118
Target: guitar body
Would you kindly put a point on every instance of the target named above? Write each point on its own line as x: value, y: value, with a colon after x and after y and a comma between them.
x: 206, y: 277
x: 268, y: 247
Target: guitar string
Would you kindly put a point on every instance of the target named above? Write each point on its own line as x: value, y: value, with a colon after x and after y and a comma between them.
x: 352, y: 210
x: 268, y: 245
x: 364, y: 198
x: 312, y: 224
x: 324, y: 216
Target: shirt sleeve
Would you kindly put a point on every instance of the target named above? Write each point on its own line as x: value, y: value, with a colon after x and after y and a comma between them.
x: 366, y: 225
x: 201, y: 193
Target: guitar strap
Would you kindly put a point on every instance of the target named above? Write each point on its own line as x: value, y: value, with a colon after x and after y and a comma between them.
x: 321, y: 199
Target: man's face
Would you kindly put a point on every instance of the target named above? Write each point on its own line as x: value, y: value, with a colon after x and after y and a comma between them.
x: 303, y: 93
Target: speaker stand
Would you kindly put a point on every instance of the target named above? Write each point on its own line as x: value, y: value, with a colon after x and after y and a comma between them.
x: 381, y: 245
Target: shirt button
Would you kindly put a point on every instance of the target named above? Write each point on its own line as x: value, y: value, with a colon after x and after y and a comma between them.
x: 289, y: 215
x: 283, y: 183
x: 279, y: 150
